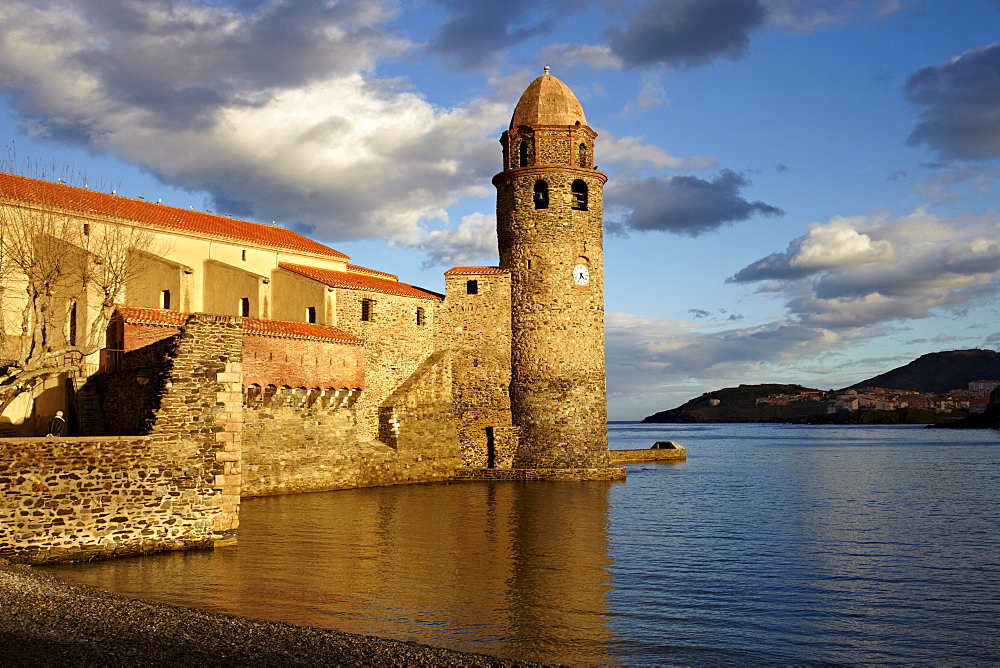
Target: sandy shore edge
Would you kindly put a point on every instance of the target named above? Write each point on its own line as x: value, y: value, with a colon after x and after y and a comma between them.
x: 45, y: 620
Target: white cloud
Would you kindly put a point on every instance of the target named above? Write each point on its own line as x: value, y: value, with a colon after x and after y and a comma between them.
x: 831, y: 246
x: 634, y: 153
x: 269, y: 112
x: 596, y: 58
x: 854, y: 272
x: 472, y: 242
x: 651, y: 95
x: 808, y: 15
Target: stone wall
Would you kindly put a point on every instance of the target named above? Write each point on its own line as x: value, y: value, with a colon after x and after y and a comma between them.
x: 81, y: 499
x: 298, y: 441
x: 395, y: 345
x: 88, y: 498
x: 203, y: 399
x: 476, y: 327
x: 301, y: 441
x: 130, y: 397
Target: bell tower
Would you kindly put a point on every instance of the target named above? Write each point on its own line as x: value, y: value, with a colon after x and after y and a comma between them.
x: 549, y: 225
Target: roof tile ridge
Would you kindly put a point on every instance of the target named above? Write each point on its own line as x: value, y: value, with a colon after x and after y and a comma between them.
x: 356, y: 268
x: 485, y: 269
x: 70, y: 198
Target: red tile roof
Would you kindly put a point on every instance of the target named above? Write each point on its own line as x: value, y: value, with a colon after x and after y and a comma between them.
x: 135, y: 315
x: 81, y: 200
x: 455, y: 271
x: 283, y: 329
x: 287, y: 329
x: 356, y: 269
x: 349, y: 281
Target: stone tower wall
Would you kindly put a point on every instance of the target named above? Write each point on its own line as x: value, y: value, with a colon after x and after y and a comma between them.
x: 476, y: 327
x: 395, y: 345
x: 557, y: 336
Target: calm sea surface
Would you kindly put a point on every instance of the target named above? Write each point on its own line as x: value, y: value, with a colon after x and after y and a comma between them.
x: 771, y: 544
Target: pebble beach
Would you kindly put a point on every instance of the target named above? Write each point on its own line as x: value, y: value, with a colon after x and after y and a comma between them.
x: 45, y: 620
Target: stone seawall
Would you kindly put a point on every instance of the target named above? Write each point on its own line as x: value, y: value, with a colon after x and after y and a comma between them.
x: 575, y: 474
x: 650, y: 455
x: 84, y: 498
x: 79, y: 499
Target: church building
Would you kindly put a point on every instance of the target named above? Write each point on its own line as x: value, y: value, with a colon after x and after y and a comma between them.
x: 505, y: 367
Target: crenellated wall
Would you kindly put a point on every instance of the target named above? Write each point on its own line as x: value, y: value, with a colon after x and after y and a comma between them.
x: 303, y: 441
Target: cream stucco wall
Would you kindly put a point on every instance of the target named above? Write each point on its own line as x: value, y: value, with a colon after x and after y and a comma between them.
x: 293, y: 295
x: 199, y: 288
x: 226, y: 286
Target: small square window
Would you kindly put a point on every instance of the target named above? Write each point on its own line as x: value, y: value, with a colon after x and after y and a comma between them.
x: 472, y: 287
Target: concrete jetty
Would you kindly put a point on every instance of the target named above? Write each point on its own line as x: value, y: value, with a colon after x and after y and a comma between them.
x: 661, y: 451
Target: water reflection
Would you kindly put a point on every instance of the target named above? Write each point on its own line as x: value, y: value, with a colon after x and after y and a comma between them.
x: 770, y: 545
x: 517, y: 570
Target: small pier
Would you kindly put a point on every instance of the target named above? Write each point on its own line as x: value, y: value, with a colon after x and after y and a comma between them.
x: 661, y: 451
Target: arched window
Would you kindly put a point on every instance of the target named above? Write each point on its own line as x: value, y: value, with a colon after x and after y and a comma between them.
x: 522, y: 153
x: 584, y: 157
x: 541, y: 194
x: 579, y: 195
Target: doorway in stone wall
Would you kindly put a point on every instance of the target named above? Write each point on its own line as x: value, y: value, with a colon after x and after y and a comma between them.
x: 491, y: 449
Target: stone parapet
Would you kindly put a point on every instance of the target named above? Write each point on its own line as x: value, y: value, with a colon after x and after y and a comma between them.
x: 294, y: 445
x: 79, y: 499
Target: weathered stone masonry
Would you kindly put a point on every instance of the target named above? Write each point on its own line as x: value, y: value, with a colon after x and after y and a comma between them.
x: 179, y: 487
x: 302, y: 441
x: 381, y: 383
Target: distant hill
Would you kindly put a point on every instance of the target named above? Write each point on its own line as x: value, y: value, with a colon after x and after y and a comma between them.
x: 738, y: 404
x: 934, y: 372
x: 939, y: 372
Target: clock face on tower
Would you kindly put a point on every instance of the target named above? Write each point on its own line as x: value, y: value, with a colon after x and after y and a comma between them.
x: 581, y: 275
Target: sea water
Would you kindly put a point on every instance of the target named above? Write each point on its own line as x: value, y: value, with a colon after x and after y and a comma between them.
x: 770, y: 544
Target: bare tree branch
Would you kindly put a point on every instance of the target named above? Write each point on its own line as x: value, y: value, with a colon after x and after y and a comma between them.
x: 61, y: 277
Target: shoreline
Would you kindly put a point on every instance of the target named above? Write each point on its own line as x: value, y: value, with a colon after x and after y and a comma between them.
x: 45, y: 620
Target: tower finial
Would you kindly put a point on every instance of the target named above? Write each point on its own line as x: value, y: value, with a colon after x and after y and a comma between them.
x: 546, y: 69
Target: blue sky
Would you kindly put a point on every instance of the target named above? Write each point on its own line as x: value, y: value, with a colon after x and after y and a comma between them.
x: 800, y: 191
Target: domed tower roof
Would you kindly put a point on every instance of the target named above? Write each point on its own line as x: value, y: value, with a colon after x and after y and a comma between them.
x: 547, y: 101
